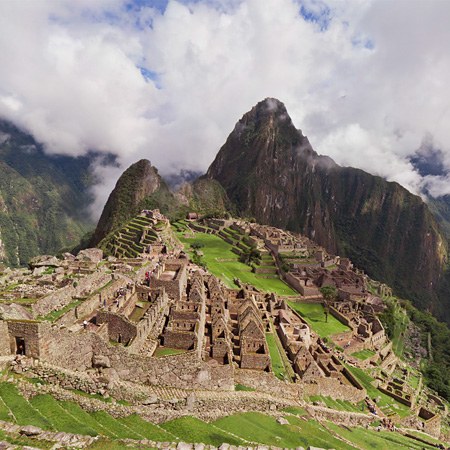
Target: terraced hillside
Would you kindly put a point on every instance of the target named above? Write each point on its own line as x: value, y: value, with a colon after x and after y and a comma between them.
x: 101, y: 430
x: 221, y: 250
x: 136, y: 237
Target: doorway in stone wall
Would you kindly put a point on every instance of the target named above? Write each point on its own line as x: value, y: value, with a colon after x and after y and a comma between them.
x: 20, y: 346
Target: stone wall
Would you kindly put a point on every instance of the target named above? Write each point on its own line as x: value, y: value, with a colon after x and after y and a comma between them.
x: 175, y: 287
x: 339, y: 316
x: 266, y: 382
x: 178, y: 339
x: 62, y: 297
x: 5, y: 346
x: 331, y: 387
x: 67, y: 349
x: 75, y: 351
x: 120, y: 329
x: 349, y: 419
x: 29, y: 332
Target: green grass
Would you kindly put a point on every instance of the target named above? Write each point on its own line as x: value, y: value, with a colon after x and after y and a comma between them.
x: 257, y: 427
x: 24, y: 413
x: 106, y: 444
x: 377, y: 440
x: 55, y: 315
x: 424, y: 436
x: 275, y: 358
x: 401, y: 323
x: 241, y: 387
x: 60, y: 419
x: 190, y: 429
x: 363, y: 354
x: 115, y: 427
x: 296, y: 410
x: 82, y: 416
x: 147, y: 429
x: 5, y: 413
x: 339, y: 405
x: 314, y: 314
x: 166, y: 351
x: 215, y: 250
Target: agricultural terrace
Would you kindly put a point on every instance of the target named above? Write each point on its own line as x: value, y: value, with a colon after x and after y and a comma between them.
x: 314, y: 314
x: 224, y: 264
x: 244, y: 429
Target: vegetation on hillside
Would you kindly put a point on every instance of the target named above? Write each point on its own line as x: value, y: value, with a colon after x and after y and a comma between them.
x: 43, y: 199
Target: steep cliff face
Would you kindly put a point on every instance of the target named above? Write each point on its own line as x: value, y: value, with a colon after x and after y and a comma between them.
x: 270, y: 171
x: 139, y: 187
x: 43, y: 198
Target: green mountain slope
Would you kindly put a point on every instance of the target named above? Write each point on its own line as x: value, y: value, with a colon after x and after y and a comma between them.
x: 43, y: 199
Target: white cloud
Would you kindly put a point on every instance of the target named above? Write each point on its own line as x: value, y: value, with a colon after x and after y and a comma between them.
x: 365, y: 80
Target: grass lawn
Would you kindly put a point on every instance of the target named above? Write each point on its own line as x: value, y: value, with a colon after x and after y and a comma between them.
x: 275, y: 357
x: 190, y: 429
x: 60, y: 419
x: 257, y: 427
x: 166, y: 351
x: 24, y: 413
x: 314, y: 314
x: 223, y: 263
x: 363, y: 354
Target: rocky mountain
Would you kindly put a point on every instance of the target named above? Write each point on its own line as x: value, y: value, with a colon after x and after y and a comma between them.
x: 43, y: 198
x: 139, y: 187
x: 270, y: 171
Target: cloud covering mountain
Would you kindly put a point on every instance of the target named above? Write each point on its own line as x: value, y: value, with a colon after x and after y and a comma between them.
x: 366, y: 81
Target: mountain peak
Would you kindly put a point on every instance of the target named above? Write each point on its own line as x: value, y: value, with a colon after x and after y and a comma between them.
x: 137, y: 183
x: 267, y: 110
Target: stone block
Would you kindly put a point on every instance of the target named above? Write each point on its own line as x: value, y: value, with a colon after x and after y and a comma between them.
x: 101, y: 361
x: 282, y: 421
x: 94, y: 255
x: 30, y: 430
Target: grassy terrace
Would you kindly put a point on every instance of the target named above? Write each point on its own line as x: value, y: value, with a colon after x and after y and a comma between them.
x: 55, y: 315
x: 387, y: 404
x: 242, y: 429
x: 381, y: 440
x: 339, y: 405
x: 401, y: 323
x: 363, y: 354
x: 314, y: 314
x: 223, y: 263
x: 278, y: 367
x: 166, y: 351
x: 256, y: 427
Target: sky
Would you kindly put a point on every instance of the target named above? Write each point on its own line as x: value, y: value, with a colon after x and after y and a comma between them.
x: 367, y: 81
